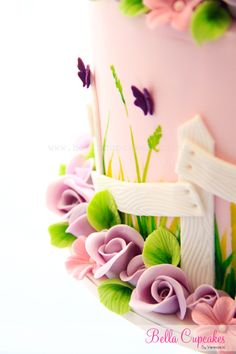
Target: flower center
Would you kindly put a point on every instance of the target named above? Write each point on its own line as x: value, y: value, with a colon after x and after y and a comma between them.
x: 179, y: 5
x: 222, y: 328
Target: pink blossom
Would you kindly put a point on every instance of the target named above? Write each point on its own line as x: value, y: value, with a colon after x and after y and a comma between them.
x: 218, y: 318
x: 114, y: 249
x: 79, y: 264
x: 175, y: 12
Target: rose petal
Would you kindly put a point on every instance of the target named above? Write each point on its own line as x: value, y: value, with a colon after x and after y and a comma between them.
x: 224, y: 309
x: 203, y: 314
x: 126, y: 233
x: 203, y: 294
x: 117, y: 263
x: 134, y: 270
x: 92, y: 245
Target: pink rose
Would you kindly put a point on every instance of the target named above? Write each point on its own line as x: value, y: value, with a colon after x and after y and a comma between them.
x: 112, y: 250
x: 67, y: 192
x: 162, y: 289
x: 175, y: 12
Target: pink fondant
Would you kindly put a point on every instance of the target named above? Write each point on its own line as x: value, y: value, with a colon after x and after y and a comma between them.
x: 183, y: 78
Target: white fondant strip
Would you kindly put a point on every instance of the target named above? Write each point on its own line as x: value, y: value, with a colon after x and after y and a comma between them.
x: 197, y: 234
x: 155, y: 199
x: 210, y: 173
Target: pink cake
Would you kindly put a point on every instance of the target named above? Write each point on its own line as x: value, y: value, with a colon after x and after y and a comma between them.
x: 153, y: 221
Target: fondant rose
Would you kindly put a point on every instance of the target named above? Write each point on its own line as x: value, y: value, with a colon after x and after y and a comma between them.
x: 162, y: 289
x: 78, y: 221
x: 79, y: 264
x: 175, y: 12
x: 112, y: 250
x: 134, y: 270
x: 67, y: 192
x: 204, y: 294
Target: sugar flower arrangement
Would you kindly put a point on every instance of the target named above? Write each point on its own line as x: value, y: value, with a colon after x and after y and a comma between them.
x: 135, y: 261
x: 206, y: 19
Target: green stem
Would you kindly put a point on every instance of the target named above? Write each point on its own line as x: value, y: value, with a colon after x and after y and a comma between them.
x: 147, y: 165
x: 104, y: 144
x: 154, y: 223
x: 140, y: 225
x: 163, y: 221
x: 135, y: 156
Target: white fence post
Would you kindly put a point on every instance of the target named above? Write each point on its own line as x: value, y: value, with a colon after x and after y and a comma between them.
x: 197, y: 233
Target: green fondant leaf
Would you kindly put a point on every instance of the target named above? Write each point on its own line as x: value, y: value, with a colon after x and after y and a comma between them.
x: 115, y: 295
x: 59, y: 237
x: 155, y: 138
x: 62, y: 170
x: 227, y: 261
x: 102, y: 211
x: 132, y: 7
x: 230, y: 285
x: 119, y: 87
x: 160, y: 247
x: 210, y: 21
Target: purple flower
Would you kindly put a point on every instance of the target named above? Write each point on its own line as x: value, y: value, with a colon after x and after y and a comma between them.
x: 143, y: 100
x: 112, y: 250
x: 84, y: 73
x: 204, y: 294
x: 134, y: 270
x: 78, y: 221
x: 161, y: 289
x: 67, y: 192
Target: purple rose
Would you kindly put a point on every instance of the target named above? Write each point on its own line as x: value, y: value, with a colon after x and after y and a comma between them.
x: 112, y: 250
x: 204, y: 294
x: 134, y: 270
x: 161, y: 289
x: 67, y: 192
x: 78, y: 221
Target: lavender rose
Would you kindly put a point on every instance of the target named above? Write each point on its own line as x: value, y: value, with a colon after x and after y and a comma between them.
x: 78, y: 221
x: 161, y: 289
x: 67, y: 192
x: 134, y: 270
x: 112, y: 250
x: 204, y: 294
